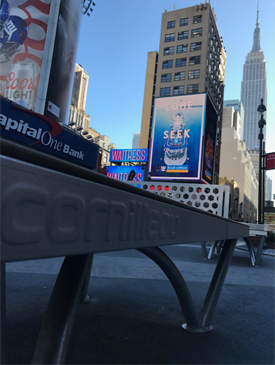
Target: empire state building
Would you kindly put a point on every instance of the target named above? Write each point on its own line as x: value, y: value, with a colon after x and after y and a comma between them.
x: 253, y: 89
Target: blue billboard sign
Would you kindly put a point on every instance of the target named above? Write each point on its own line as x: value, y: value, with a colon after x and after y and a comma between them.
x: 177, y: 138
x: 129, y: 155
x: 124, y: 173
x: 40, y: 132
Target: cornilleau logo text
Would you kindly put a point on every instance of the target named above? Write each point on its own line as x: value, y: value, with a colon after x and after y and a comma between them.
x: 44, y: 137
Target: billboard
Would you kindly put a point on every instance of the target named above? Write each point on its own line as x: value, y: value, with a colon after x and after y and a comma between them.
x: 209, y: 144
x: 42, y: 133
x: 124, y: 173
x: 63, y: 63
x: 23, y: 28
x: 129, y: 155
x: 177, y: 138
x: 183, y: 139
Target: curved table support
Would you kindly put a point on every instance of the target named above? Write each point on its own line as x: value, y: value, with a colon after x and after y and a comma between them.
x: 54, y: 336
x: 178, y: 283
x: 193, y: 323
x: 251, y: 250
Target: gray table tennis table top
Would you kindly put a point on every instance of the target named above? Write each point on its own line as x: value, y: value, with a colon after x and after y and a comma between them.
x: 51, y: 208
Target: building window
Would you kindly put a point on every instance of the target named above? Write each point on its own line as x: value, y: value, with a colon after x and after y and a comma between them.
x: 170, y: 37
x: 182, y: 48
x: 197, y: 19
x: 194, y: 74
x: 179, y: 76
x: 167, y: 64
x: 168, y: 50
x: 183, y: 22
x: 196, y: 46
x: 178, y: 90
x: 166, y: 77
x: 171, y: 24
x: 182, y: 35
x: 195, y: 60
x: 165, y: 91
x: 196, y: 33
x: 193, y: 89
x: 180, y: 62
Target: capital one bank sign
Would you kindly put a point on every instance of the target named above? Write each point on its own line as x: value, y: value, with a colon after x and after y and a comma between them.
x: 40, y: 132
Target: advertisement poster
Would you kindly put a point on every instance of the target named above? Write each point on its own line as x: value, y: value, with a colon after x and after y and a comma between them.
x: 63, y: 64
x: 209, y: 143
x: 126, y: 173
x: 177, y: 137
x: 23, y: 28
x: 129, y: 155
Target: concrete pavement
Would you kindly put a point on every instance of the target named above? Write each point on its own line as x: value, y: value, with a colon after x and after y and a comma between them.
x: 134, y: 316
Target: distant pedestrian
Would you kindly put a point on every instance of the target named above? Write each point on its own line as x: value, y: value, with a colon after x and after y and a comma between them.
x: 131, y: 176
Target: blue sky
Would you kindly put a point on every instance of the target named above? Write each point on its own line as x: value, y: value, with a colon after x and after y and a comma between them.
x: 116, y: 38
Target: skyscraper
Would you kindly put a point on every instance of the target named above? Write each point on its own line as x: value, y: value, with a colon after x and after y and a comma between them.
x: 191, y: 60
x: 253, y: 89
x: 135, y: 141
x: 239, y: 117
x: 236, y: 163
x: 78, y: 99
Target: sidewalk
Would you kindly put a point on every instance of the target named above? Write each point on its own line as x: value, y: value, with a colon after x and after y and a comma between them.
x: 134, y: 316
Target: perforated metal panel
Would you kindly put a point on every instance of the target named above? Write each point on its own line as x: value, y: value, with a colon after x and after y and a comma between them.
x: 258, y: 229
x: 210, y: 198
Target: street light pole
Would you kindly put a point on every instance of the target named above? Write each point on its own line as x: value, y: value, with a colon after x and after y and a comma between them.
x: 261, y: 109
x: 263, y: 175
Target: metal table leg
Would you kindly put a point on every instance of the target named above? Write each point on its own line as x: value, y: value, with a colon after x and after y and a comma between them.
x: 216, y: 284
x: 3, y: 314
x: 220, y: 246
x: 251, y: 250
x: 212, y: 249
x: 204, y: 250
x: 84, y: 297
x: 55, y: 332
x: 259, y: 251
x: 176, y: 279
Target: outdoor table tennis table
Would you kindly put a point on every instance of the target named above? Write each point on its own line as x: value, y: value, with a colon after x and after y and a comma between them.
x: 53, y: 208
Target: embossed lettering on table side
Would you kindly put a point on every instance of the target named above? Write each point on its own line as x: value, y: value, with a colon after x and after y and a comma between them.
x: 153, y: 224
x: 132, y: 221
x: 117, y: 220
x: 92, y: 224
x: 144, y: 220
x: 29, y: 213
x: 23, y: 213
x: 164, y: 225
x: 62, y: 229
x: 174, y: 223
x: 137, y: 221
